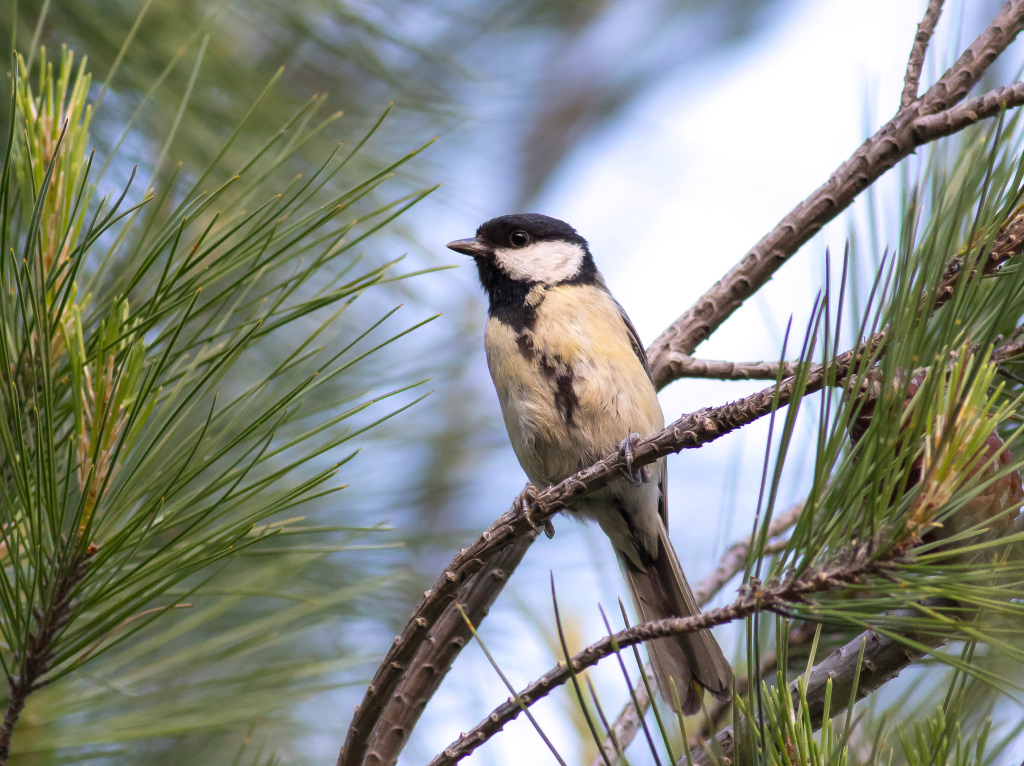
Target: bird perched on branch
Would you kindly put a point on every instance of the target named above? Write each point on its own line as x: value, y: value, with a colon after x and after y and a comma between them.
x: 575, y: 385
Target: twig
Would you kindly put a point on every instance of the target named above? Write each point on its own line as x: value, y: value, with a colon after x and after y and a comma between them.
x: 628, y: 722
x: 39, y: 650
x: 959, y: 117
x: 1008, y: 243
x: 734, y: 559
x: 916, y: 60
x: 858, y: 566
x: 690, y: 367
x: 926, y: 119
x: 883, y: 659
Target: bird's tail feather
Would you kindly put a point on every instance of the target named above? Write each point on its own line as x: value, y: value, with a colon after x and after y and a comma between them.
x: 691, y: 661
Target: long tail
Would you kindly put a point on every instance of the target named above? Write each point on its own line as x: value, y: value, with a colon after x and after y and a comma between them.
x: 689, y: 662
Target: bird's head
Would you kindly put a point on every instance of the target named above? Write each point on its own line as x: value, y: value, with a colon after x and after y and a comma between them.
x: 528, y: 249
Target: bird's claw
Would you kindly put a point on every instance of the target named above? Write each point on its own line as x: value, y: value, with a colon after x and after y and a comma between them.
x: 526, y: 500
x: 639, y: 475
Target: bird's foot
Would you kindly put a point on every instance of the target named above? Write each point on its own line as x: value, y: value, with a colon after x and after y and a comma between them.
x: 627, y: 449
x: 526, y: 502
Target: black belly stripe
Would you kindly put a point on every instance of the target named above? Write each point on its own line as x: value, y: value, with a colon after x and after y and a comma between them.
x: 524, y: 342
x: 560, y: 374
x: 566, y: 401
x: 555, y: 370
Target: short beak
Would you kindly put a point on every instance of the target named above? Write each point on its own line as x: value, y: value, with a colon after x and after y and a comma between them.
x: 471, y: 247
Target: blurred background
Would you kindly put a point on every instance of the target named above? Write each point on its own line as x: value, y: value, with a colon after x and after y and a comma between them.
x: 671, y: 133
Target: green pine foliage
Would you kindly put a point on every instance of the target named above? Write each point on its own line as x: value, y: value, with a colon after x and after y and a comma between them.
x: 906, y: 485
x: 172, y: 400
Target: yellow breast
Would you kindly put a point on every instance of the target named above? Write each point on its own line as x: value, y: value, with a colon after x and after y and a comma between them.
x: 571, y: 386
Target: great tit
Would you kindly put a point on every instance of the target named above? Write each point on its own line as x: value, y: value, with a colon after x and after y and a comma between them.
x: 574, y: 385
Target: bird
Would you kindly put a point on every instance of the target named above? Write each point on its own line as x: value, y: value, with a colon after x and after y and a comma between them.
x: 575, y: 385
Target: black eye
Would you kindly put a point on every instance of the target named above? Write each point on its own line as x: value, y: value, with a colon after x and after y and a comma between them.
x: 519, y: 239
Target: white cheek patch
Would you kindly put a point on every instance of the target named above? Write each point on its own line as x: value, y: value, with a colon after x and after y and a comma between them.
x: 545, y: 262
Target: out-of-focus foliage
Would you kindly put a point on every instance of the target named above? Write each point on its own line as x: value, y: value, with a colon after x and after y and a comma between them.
x: 537, y: 77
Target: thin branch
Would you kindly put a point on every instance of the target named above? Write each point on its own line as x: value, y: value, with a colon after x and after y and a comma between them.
x: 1008, y: 243
x: 735, y: 558
x: 916, y: 60
x: 769, y: 598
x: 957, y: 118
x: 438, y: 652
x: 968, y: 69
x: 925, y: 120
x: 883, y: 659
x: 39, y: 650
x: 690, y: 367
x: 628, y: 723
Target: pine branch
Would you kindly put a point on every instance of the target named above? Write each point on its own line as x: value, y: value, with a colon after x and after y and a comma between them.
x: 959, y: 117
x: 916, y: 61
x: 688, y: 432
x: 883, y: 659
x: 39, y: 649
x: 768, y: 598
x: 735, y: 557
x: 437, y: 653
x: 929, y: 117
x: 1009, y: 243
x: 690, y: 367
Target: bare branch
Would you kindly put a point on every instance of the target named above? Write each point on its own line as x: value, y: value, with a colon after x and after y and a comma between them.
x: 767, y: 598
x: 957, y: 118
x: 734, y: 559
x: 905, y: 132
x: 916, y: 61
x: 884, y: 657
x: 628, y: 722
x: 965, y: 73
x: 689, y: 367
x: 437, y: 653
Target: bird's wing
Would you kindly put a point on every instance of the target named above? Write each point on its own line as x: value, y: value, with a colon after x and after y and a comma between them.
x: 658, y: 468
x: 634, y: 341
